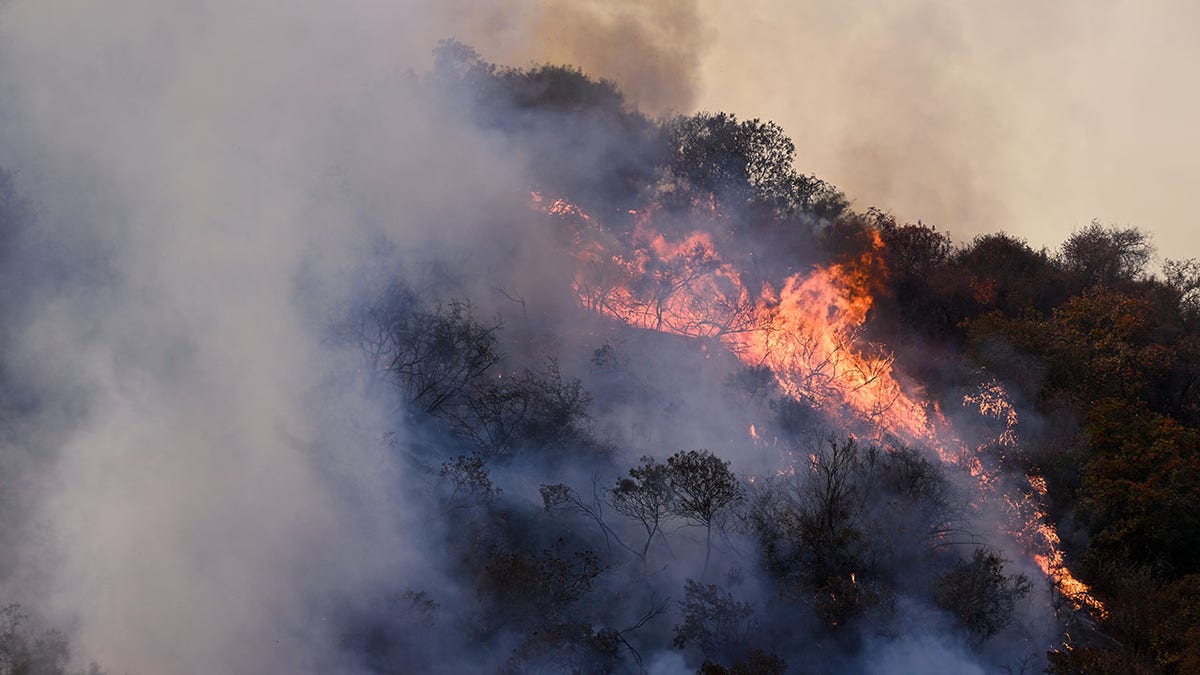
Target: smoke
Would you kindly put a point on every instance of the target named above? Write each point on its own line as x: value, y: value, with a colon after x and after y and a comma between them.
x: 1021, y: 116
x: 206, y: 177
x: 651, y: 50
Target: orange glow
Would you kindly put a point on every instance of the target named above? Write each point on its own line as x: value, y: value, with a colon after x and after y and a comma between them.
x: 807, y: 334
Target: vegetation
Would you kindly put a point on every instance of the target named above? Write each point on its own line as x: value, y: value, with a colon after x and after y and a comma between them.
x: 1101, y: 352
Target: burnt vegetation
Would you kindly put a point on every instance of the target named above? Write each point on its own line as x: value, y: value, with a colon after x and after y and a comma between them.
x: 572, y: 548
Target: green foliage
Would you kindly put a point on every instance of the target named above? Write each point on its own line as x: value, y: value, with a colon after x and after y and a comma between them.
x: 1175, y: 639
x: 1152, y: 627
x: 1000, y: 272
x: 915, y: 258
x: 1142, y: 488
x: 1101, y: 343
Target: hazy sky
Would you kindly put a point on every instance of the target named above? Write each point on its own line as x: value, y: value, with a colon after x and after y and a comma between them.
x: 1026, y: 116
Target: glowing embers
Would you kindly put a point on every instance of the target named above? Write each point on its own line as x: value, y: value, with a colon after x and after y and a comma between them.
x: 1025, y: 507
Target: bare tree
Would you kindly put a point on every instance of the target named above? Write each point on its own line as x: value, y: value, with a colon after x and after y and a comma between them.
x: 560, y: 496
x: 432, y: 355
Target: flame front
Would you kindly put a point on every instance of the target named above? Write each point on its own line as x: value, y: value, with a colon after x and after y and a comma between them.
x: 807, y: 333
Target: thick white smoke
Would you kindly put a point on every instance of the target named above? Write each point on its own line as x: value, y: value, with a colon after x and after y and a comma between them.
x: 209, y: 174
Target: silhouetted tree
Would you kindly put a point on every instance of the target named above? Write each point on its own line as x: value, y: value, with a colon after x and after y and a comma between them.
x: 646, y: 496
x: 979, y: 593
x: 560, y: 496
x: 1100, y: 255
x: 713, y: 621
x: 469, y: 481
x: 541, y: 410
x: 530, y: 590
x: 703, y: 486
x: 432, y: 355
x: 739, y: 163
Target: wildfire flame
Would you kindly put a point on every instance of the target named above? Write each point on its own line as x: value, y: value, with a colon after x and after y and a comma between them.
x: 807, y: 333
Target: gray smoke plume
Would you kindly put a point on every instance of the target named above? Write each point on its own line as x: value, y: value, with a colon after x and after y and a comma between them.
x: 205, y: 179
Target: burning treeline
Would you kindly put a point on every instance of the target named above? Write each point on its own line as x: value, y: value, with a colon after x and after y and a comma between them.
x: 808, y: 335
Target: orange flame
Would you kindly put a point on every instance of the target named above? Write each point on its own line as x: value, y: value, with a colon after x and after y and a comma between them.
x: 807, y: 333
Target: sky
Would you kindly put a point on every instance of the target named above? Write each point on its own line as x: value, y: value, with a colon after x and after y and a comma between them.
x: 1025, y: 116
x: 1028, y: 117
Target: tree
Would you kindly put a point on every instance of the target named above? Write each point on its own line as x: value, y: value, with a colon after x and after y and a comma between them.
x: 28, y: 652
x: 573, y: 647
x: 741, y: 163
x: 1141, y: 488
x: 1000, y: 272
x: 560, y: 496
x: 536, y: 590
x: 1100, y: 343
x: 916, y: 259
x: 713, y: 621
x: 703, y: 486
x: 543, y: 410
x: 578, y: 647
x: 646, y: 496
x: 1100, y: 255
x: 809, y: 522
x: 469, y: 481
x: 823, y: 528
x: 980, y: 595
x: 1183, y: 278
x: 432, y: 355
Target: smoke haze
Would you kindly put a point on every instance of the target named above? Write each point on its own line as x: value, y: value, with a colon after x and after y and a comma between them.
x: 652, y: 50
x: 1029, y: 117
x: 192, y: 167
